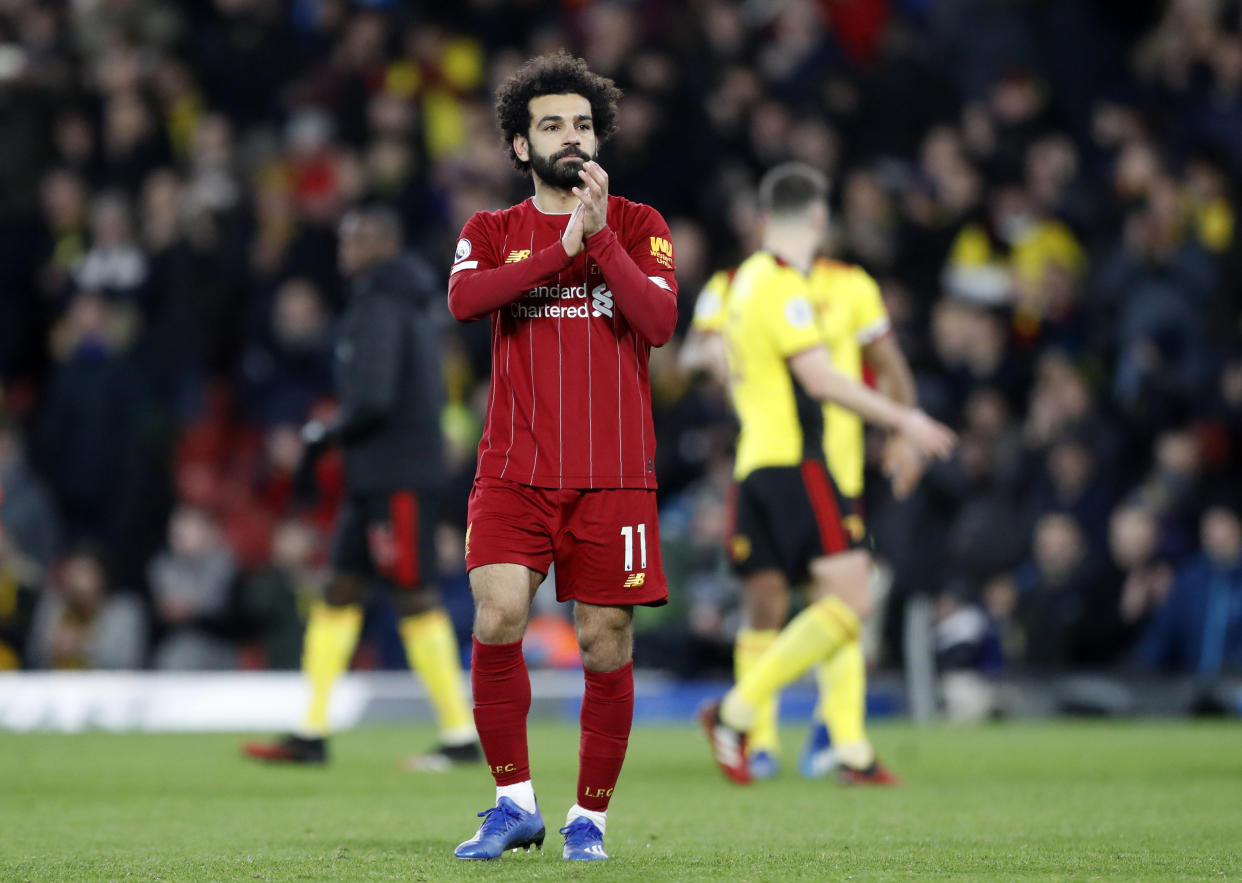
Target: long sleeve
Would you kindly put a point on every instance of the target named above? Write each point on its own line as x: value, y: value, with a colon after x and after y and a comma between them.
x: 648, y: 302
x: 479, y: 284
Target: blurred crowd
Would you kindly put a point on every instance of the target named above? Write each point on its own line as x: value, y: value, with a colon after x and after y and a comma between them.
x: 1046, y: 192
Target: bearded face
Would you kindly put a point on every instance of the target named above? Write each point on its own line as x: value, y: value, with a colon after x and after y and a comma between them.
x: 560, y: 170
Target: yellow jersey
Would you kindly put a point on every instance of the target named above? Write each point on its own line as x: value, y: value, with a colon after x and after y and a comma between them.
x: 709, y: 308
x: 769, y: 319
x: 849, y: 314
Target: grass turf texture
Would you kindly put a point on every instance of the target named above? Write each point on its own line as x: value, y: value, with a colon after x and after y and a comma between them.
x: 1042, y: 801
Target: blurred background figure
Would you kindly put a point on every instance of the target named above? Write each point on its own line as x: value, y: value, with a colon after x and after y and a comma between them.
x: 192, y: 582
x: 82, y: 623
x: 1198, y: 629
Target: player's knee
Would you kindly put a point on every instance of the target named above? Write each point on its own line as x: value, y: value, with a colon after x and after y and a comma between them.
x: 605, y: 648
x: 413, y: 602
x: 862, y: 605
x: 499, y: 623
x: 857, y: 596
x: 766, y: 600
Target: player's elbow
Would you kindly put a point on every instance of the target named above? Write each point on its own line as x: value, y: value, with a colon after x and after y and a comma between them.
x: 459, y: 307
x: 820, y: 390
x: 663, y: 328
x: 662, y: 335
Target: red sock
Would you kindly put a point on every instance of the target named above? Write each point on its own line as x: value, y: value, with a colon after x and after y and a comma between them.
x: 501, y: 688
x: 607, y: 713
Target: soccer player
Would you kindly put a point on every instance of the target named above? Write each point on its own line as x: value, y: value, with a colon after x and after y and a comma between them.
x: 387, y: 377
x: 791, y: 520
x: 579, y: 286
x: 856, y: 329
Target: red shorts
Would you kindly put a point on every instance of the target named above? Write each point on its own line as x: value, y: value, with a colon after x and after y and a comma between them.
x: 605, y: 543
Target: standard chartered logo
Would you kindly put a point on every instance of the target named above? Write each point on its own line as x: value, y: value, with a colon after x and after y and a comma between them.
x: 549, y: 301
x: 557, y: 292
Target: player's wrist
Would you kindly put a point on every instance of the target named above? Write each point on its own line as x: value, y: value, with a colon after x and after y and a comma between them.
x: 602, y: 236
x: 908, y: 422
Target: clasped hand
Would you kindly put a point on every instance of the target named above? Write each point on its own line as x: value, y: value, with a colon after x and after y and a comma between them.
x: 592, y: 212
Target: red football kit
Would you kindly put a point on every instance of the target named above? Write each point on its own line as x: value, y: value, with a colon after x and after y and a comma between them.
x: 566, y: 469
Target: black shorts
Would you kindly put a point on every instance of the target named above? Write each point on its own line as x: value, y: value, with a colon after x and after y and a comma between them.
x: 784, y: 517
x: 391, y: 536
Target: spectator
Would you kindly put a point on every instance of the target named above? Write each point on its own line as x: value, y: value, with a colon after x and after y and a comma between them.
x: 191, y: 585
x: 90, y: 413
x: 1146, y: 575
x: 968, y: 650
x: 81, y: 624
x: 1075, y: 482
x: 1198, y: 630
x: 115, y: 263
x: 288, y: 365
x: 274, y: 598
x: 28, y: 518
x: 1058, y: 597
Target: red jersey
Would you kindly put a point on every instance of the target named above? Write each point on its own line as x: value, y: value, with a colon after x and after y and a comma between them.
x: 570, y: 401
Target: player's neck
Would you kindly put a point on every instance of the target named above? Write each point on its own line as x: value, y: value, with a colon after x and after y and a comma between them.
x: 553, y: 200
x: 793, y: 248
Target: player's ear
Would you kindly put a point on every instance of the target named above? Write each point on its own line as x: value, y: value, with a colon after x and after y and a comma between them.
x: 521, y: 147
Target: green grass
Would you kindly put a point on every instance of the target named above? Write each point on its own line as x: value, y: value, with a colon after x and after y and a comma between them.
x: 1044, y: 801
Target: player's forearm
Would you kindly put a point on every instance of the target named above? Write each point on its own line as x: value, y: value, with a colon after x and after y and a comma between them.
x: 814, y: 371
x: 866, y: 403
x: 899, y: 388
x: 892, y: 372
x: 650, y: 308
x: 473, y: 294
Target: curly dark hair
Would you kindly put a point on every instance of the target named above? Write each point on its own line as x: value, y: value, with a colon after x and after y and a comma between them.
x: 558, y: 73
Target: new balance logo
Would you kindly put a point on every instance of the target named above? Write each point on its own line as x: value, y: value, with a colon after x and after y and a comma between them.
x: 634, y: 580
x: 516, y: 255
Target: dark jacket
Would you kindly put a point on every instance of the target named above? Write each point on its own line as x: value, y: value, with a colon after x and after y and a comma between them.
x: 388, y: 379
x: 1199, y: 628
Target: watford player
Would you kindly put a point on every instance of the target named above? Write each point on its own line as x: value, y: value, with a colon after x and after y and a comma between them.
x: 857, y: 331
x: 792, y: 522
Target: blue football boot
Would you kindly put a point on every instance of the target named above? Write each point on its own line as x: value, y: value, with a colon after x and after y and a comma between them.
x: 817, y: 759
x: 764, y: 765
x: 583, y: 841
x: 505, y: 826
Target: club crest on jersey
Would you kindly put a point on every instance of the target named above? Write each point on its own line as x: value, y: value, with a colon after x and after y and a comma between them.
x: 662, y: 251
x: 463, y: 250
x: 601, y: 300
x: 518, y: 254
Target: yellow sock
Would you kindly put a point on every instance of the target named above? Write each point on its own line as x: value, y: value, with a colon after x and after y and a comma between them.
x: 816, y: 633
x: 331, y: 635
x: 843, y: 704
x: 431, y: 648
x: 747, y: 648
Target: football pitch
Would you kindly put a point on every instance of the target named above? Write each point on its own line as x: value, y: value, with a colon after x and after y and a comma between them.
x: 1011, y: 801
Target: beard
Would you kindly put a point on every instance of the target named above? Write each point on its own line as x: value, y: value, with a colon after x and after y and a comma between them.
x: 561, y: 175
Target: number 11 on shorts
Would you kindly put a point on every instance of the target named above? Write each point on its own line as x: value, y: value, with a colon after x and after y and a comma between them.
x: 628, y: 533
